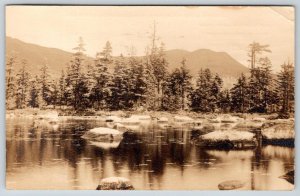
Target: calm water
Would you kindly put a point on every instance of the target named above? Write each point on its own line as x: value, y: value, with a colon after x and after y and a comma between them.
x: 43, y: 157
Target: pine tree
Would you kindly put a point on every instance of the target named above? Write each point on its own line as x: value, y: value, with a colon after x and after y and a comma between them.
x: 239, y: 95
x: 206, y: 96
x: 62, y: 98
x: 216, y: 87
x: 45, y: 86
x: 184, y: 83
x: 100, y: 91
x: 172, y: 92
x: 54, y: 89
x: 137, y: 82
x: 157, y: 65
x: 74, y: 77
x: 256, y: 49
x: 286, y: 89
x: 224, y: 101
x: 22, y: 84
x: 260, y: 87
x: 10, y: 82
x: 150, y: 94
x: 120, y: 94
x: 34, y: 93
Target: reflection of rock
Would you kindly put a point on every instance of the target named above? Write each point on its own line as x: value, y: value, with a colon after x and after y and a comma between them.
x: 231, y: 185
x: 115, y: 183
x: 130, y: 137
x: 103, y: 134
x: 228, y: 139
x: 106, y: 145
x: 278, y: 152
x: 289, y: 176
x: 232, y: 154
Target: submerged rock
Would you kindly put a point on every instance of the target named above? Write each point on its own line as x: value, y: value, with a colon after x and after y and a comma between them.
x: 115, y: 183
x: 289, y: 176
x: 231, y: 185
x: 106, y: 145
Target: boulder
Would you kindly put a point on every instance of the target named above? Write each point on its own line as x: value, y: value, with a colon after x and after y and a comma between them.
x: 103, y: 134
x: 115, y: 183
x: 279, y: 131
x: 228, y: 140
x: 231, y: 185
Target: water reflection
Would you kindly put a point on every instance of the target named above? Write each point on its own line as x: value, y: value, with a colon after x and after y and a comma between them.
x: 40, y: 157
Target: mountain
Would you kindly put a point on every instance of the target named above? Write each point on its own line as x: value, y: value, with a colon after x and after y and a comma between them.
x: 218, y: 62
x: 36, y: 56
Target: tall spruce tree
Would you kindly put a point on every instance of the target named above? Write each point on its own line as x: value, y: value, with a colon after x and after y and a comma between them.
x: 22, y: 86
x: 10, y: 82
x: 239, y: 95
x: 286, y: 90
x: 75, y: 77
x: 100, y: 91
x: 34, y: 93
x: 44, y: 83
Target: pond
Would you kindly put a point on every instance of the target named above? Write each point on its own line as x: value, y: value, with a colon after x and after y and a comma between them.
x: 41, y: 156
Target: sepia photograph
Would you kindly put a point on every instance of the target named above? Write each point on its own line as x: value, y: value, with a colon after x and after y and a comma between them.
x: 150, y: 97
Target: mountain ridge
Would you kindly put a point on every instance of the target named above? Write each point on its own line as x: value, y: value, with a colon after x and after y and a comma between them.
x: 57, y: 59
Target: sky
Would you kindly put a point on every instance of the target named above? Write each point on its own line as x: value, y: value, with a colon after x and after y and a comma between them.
x: 220, y: 28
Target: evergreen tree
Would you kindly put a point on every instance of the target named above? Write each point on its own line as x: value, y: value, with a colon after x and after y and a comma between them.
x: 22, y: 86
x: 120, y: 94
x: 137, y: 82
x: 224, y: 101
x: 62, y: 96
x: 157, y: 68
x: 34, y: 93
x: 100, y: 91
x: 10, y: 82
x: 260, y: 87
x: 172, y: 93
x: 45, y: 85
x: 255, y: 49
x: 286, y: 90
x: 54, y: 89
x: 75, y: 78
x: 206, y: 95
x: 239, y: 95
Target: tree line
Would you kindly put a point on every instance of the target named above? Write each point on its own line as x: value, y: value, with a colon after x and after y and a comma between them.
x: 131, y: 83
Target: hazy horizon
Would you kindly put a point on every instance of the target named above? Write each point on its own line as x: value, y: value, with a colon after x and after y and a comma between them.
x: 218, y: 28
